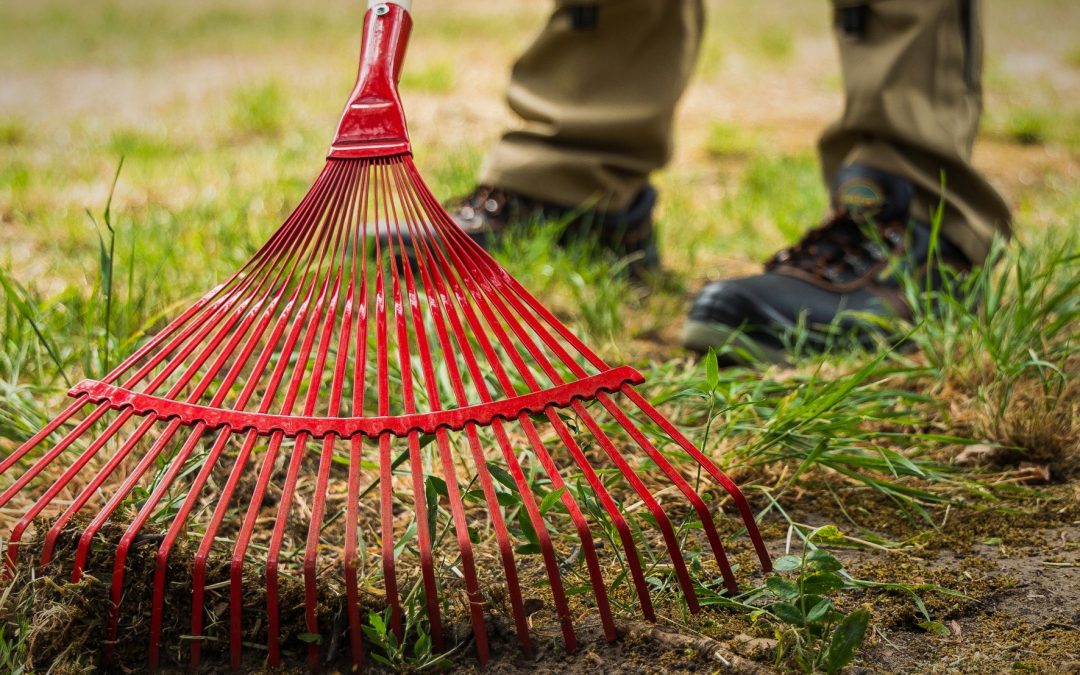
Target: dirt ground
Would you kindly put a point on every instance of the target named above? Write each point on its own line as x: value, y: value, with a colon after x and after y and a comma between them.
x: 1013, y: 571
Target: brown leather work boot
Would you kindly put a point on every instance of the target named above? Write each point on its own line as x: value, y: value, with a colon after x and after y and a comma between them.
x: 851, y: 265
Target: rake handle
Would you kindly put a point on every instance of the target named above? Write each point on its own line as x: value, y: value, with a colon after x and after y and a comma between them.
x: 373, y: 123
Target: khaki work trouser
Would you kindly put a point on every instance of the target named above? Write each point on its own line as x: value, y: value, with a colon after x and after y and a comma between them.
x: 598, y: 88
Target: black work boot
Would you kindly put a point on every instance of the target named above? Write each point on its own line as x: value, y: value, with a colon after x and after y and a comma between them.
x: 852, y: 264
x: 488, y: 213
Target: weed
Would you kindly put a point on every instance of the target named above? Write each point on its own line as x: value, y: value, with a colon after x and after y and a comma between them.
x: 811, y: 631
x: 412, y: 652
x: 1012, y: 350
x: 19, y: 306
x: 107, y: 256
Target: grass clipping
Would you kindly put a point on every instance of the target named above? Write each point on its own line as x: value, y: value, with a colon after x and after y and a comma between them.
x: 58, y: 626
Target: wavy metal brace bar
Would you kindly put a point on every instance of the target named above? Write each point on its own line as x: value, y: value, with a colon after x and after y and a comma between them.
x: 455, y: 419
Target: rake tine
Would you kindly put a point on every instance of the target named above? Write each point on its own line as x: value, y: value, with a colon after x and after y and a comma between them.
x: 300, y: 443
x: 547, y: 549
x: 633, y: 559
x: 479, y: 258
x: 356, y: 443
x: 429, y: 271
x: 535, y: 517
x: 273, y: 556
x: 386, y: 509
x: 695, y: 499
x: 533, y: 512
x: 299, y: 229
x: 352, y: 591
x: 203, y: 326
x: 665, y: 525
x: 292, y: 392
x: 311, y: 547
x: 424, y: 536
x: 51, y: 455
x: 583, y: 530
x: 386, y: 505
x: 243, y: 538
x: 16, y: 455
x: 148, y: 458
x: 60, y: 484
x: 162, y: 559
x: 662, y: 520
x: 105, y: 473
x: 580, y: 524
x: 457, y: 509
x: 608, y: 502
x: 280, y: 240
x: 719, y: 476
x: 504, y: 445
x: 117, y: 588
x: 263, y: 271
x: 202, y: 556
x: 606, y: 499
x: 609, y: 448
x: 302, y: 221
x: 83, y: 549
x: 499, y: 278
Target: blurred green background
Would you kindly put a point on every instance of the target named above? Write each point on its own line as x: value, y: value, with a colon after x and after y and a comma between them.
x: 222, y: 112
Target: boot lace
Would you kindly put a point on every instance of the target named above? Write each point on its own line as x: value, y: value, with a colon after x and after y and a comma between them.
x: 841, y: 250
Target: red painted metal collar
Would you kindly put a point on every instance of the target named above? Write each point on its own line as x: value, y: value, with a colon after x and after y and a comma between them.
x: 373, y: 124
x: 372, y: 427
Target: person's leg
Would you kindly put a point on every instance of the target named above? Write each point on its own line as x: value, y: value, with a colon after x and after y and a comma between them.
x: 912, y: 78
x: 911, y: 73
x: 596, y: 93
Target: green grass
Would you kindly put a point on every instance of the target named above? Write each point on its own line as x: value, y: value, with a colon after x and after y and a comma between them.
x: 260, y: 111
x: 727, y: 141
x: 434, y: 78
x: 776, y: 44
x: 140, y: 145
x: 1029, y: 126
x: 12, y: 132
x: 1073, y: 57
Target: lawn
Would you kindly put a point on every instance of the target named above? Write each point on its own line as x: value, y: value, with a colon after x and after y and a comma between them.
x: 147, y: 150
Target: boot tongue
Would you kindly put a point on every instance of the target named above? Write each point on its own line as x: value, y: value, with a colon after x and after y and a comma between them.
x: 870, y: 194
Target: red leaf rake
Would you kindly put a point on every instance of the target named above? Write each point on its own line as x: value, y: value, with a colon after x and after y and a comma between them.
x: 323, y: 357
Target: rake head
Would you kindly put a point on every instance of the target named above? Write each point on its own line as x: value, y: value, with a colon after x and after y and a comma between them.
x: 327, y: 416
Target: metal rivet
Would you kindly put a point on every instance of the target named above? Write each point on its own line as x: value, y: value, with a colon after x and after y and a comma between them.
x: 382, y: 10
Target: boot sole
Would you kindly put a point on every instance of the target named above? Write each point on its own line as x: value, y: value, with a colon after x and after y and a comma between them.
x: 701, y: 336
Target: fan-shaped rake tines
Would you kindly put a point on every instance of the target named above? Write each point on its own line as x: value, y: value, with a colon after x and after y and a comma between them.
x: 331, y: 432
